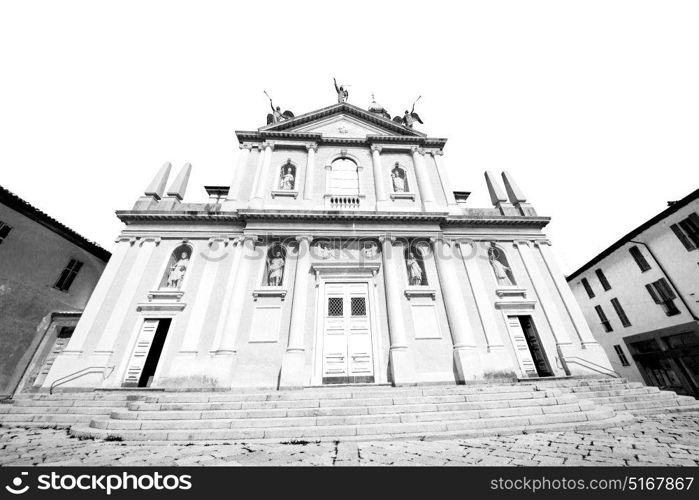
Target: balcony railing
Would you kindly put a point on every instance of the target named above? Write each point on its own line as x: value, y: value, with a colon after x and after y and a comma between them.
x: 343, y: 202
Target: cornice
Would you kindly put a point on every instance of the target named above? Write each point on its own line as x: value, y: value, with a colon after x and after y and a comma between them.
x: 371, y: 139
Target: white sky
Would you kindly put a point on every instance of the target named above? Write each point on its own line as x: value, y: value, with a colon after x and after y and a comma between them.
x: 593, y: 106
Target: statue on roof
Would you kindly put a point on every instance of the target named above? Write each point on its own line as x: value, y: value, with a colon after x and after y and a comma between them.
x: 276, y: 115
x: 342, y: 93
x: 409, y: 117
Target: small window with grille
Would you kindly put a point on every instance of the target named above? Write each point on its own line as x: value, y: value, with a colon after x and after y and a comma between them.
x: 358, y: 306
x: 335, y: 306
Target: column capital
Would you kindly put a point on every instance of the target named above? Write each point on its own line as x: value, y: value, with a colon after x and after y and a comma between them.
x: 539, y: 243
x: 307, y: 238
x: 391, y: 240
x: 131, y: 240
x: 246, y: 145
x: 517, y: 243
x: 254, y: 238
x: 312, y: 146
x: 376, y: 147
x: 218, y: 239
x: 417, y: 149
x: 145, y: 239
x: 269, y: 144
x: 437, y: 152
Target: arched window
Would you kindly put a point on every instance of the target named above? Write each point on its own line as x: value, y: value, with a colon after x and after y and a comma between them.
x: 176, y: 267
x: 276, y: 262
x: 287, y: 177
x: 399, y: 179
x: 343, y: 178
x: 501, y: 267
x: 415, y: 264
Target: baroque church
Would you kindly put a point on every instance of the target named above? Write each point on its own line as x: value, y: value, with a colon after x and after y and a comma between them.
x: 338, y: 254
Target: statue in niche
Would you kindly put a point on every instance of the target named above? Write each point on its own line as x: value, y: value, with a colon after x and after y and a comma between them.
x: 177, y: 271
x: 275, y: 268
x: 414, y: 270
x: 498, y: 261
x: 342, y: 93
x: 398, y: 178
x: 288, y: 180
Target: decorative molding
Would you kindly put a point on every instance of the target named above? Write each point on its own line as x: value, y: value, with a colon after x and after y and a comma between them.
x: 165, y: 295
x: 420, y: 291
x: 270, y: 291
x: 402, y: 196
x: 160, y: 306
x: 283, y: 193
x: 515, y: 304
x: 511, y: 292
x: 145, y: 239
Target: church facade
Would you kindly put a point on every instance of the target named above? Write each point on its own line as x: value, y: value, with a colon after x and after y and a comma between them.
x: 338, y: 254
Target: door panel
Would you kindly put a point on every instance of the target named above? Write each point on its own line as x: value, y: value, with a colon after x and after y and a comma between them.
x: 347, y: 342
x: 140, y: 353
x: 524, y: 356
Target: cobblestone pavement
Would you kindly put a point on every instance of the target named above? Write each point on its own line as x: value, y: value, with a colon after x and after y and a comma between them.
x: 653, y: 440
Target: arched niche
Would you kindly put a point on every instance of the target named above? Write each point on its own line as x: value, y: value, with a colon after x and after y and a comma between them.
x: 287, y: 177
x: 343, y: 177
x: 415, y: 264
x: 275, y: 265
x: 399, y: 179
x: 177, y: 267
x: 500, y: 265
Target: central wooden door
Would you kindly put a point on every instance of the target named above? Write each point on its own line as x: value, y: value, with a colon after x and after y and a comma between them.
x: 347, y: 344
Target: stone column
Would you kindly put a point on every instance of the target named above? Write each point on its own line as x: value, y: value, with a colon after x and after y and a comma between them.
x: 243, y: 158
x: 379, y: 185
x: 105, y: 345
x: 294, y: 361
x: 466, y: 356
x: 576, y: 316
x: 543, y: 289
x: 261, y: 181
x: 94, y: 306
x: 469, y: 255
x: 444, y: 179
x: 310, y: 170
x: 423, y: 178
x: 401, y: 361
x: 227, y: 331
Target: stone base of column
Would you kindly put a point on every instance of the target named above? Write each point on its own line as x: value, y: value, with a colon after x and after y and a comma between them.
x: 401, y: 367
x: 468, y: 364
x: 220, y: 368
x: 590, y: 361
x: 293, y: 370
x: 498, y: 364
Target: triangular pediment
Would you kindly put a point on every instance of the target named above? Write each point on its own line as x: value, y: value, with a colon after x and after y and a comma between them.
x: 342, y: 120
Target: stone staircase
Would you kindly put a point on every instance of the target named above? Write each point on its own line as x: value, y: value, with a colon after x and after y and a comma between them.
x: 347, y: 413
x: 624, y: 396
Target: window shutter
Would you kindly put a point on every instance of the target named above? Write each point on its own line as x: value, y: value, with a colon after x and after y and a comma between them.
x: 600, y: 313
x: 653, y: 294
x: 682, y: 237
x: 639, y: 258
x: 664, y: 289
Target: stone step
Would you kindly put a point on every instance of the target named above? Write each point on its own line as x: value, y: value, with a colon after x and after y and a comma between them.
x: 618, y: 392
x: 235, y: 410
x: 206, y: 421
x: 82, y: 403
x: 60, y: 418
x: 608, y: 387
x: 84, y: 396
x: 394, y: 429
x: 29, y: 410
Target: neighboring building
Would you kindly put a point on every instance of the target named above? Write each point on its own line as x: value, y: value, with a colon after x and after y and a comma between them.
x: 338, y: 254
x: 47, y: 273
x: 641, y: 299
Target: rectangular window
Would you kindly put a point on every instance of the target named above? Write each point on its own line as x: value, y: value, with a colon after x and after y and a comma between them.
x: 588, y: 288
x: 687, y: 231
x: 639, y: 258
x: 603, y: 319
x: 4, y: 231
x: 620, y: 312
x: 603, y: 280
x: 68, y: 275
x: 622, y: 356
x: 663, y: 295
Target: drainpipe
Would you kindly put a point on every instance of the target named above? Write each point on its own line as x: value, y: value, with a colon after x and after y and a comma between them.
x: 660, y: 266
